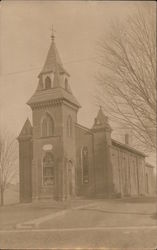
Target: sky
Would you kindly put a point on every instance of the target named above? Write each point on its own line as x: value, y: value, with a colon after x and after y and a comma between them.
x: 25, y: 39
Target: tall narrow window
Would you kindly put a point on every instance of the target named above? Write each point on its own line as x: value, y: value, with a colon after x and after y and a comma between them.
x: 48, y: 169
x: 50, y: 125
x: 66, y: 84
x: 47, y: 126
x: 147, y: 184
x: 85, y: 167
x: 69, y: 126
x: 47, y: 83
x: 44, y: 128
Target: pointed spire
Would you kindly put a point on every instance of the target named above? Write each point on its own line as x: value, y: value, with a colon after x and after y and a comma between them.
x: 53, y: 61
x: 101, y: 116
x: 26, y: 130
x: 101, y: 121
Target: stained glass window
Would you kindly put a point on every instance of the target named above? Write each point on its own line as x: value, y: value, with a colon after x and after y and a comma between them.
x: 48, y: 169
x: 85, y: 166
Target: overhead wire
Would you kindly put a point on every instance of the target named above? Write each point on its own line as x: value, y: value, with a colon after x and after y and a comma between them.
x: 32, y: 69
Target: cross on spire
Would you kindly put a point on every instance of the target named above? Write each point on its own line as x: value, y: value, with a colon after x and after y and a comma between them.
x: 52, y: 33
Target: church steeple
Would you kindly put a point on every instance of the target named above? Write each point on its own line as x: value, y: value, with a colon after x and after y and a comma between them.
x: 53, y: 80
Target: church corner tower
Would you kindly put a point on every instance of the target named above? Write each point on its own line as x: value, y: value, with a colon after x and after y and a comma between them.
x: 25, y: 162
x: 54, y: 115
x: 102, y: 153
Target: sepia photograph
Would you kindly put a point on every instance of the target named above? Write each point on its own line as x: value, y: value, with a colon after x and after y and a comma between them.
x: 78, y: 125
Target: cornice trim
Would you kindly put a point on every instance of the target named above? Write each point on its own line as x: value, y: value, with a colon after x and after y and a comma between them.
x: 54, y: 102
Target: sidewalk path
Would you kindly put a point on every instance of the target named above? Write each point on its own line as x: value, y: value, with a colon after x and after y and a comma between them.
x: 128, y: 228
x: 36, y: 222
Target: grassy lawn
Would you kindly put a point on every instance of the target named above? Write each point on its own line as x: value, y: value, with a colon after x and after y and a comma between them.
x: 11, y: 197
x: 14, y: 214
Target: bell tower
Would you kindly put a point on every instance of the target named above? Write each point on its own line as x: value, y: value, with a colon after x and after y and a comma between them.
x: 54, y: 114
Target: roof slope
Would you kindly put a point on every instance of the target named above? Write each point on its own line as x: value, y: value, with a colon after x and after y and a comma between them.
x: 52, y: 94
x: 127, y: 147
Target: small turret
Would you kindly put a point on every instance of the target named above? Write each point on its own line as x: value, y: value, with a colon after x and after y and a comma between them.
x: 26, y: 131
x: 101, y: 121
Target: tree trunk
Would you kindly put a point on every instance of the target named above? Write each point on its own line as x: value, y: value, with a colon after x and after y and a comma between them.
x: 2, y: 196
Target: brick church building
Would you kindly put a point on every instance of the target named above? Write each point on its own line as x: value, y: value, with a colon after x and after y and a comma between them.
x: 60, y: 159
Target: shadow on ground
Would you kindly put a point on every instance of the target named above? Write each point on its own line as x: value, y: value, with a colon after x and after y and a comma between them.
x: 138, y: 200
x: 154, y: 216
x: 114, y: 212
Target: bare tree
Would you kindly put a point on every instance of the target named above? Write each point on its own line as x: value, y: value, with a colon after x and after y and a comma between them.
x: 127, y: 77
x: 8, y: 161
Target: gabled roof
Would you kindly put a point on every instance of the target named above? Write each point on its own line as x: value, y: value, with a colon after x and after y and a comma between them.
x: 53, y: 61
x: 26, y: 130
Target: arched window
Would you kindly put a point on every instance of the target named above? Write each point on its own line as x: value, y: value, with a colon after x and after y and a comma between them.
x: 48, y: 169
x: 47, y: 83
x: 66, y: 84
x: 69, y: 126
x: 85, y: 167
x: 47, y: 128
